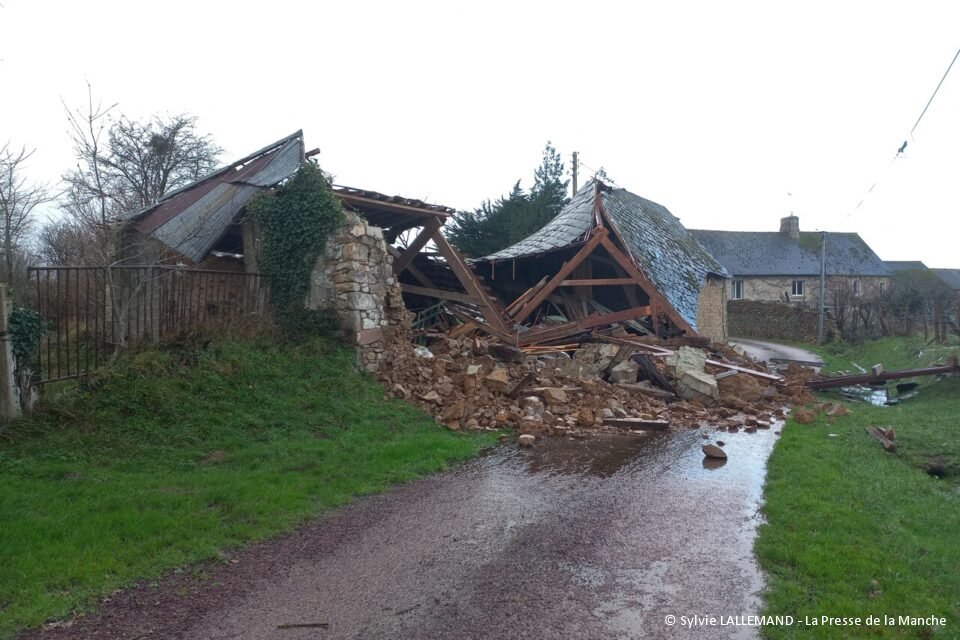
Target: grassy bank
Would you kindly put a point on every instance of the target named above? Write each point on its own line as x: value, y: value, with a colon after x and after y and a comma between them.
x: 893, y: 353
x: 173, y: 456
x: 855, y: 531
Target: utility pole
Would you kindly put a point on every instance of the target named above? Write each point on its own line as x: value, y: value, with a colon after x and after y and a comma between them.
x: 823, y: 280
x: 575, y: 167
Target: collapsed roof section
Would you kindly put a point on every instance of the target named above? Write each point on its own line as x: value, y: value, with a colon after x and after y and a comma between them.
x: 191, y: 220
x: 640, y: 240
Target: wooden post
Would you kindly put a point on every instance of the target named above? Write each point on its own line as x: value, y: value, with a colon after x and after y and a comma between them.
x: 9, y: 395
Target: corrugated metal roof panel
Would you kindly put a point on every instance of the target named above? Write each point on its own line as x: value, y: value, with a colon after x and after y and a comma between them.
x: 281, y: 165
x: 194, y: 231
x: 192, y: 219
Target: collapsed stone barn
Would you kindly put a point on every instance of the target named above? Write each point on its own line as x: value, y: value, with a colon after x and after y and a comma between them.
x: 609, y: 256
x: 202, y: 227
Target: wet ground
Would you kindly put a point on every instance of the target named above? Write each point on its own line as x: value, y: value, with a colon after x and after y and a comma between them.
x: 767, y: 351
x: 600, y: 538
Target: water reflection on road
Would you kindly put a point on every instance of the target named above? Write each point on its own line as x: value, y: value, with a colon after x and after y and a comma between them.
x: 596, y: 538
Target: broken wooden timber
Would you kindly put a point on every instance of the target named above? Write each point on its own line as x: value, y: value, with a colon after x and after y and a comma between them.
x: 644, y: 389
x: 637, y: 424
x: 580, y: 326
x: 598, y: 282
x: 401, y: 261
x: 882, y: 376
x: 661, y: 352
x: 488, y: 308
x: 505, y: 336
x: 650, y: 372
x: 561, y: 275
x: 521, y: 386
x: 757, y: 374
x: 439, y: 294
x: 515, y: 306
x: 878, y: 434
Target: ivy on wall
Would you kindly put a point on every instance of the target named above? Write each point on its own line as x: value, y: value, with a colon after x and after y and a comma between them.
x: 295, y: 219
x: 27, y: 328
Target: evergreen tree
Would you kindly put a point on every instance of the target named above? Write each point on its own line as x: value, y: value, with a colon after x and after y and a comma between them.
x: 498, y: 224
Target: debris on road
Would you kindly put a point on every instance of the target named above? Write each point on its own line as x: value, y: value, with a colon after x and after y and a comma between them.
x: 713, y: 451
x: 611, y: 381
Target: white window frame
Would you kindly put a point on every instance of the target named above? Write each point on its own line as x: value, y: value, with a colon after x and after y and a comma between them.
x: 796, y: 289
x: 857, y: 289
x: 737, y: 293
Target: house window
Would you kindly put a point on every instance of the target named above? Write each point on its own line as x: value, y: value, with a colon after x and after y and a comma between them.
x: 856, y: 288
x: 797, y: 288
x: 738, y: 289
x: 883, y: 287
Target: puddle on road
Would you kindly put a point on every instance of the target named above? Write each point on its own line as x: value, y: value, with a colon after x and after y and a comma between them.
x: 695, y: 519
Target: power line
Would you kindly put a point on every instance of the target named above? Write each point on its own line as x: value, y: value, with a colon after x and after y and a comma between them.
x: 935, y: 91
x: 903, y: 147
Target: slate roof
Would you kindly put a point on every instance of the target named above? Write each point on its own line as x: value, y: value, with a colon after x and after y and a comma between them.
x: 762, y: 253
x: 951, y: 277
x: 665, y: 250
x: 897, y: 266
x: 191, y: 220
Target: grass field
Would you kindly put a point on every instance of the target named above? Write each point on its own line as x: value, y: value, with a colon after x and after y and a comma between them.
x: 893, y: 353
x: 172, y: 456
x: 855, y: 531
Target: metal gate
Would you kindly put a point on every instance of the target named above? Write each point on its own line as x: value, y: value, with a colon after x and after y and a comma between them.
x: 90, y: 312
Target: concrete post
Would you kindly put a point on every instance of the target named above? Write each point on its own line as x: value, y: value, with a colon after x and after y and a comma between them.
x: 9, y: 394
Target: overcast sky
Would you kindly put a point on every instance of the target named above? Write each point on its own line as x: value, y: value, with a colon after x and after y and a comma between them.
x: 716, y: 110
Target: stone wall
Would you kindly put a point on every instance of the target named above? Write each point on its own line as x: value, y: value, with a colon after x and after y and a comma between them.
x: 776, y: 320
x: 773, y: 288
x: 354, y: 279
x: 712, y: 309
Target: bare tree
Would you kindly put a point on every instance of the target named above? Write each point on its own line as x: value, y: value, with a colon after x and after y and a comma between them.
x: 127, y: 165
x: 146, y: 160
x: 88, y: 199
x: 122, y: 167
x: 64, y: 242
x: 18, y: 199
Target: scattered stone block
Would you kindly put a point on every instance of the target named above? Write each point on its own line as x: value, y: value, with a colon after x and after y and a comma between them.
x: 713, y: 451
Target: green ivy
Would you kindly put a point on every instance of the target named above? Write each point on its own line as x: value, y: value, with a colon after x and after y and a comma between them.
x: 27, y: 328
x: 295, y: 219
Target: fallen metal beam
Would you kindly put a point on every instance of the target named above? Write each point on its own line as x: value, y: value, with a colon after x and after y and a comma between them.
x: 882, y: 376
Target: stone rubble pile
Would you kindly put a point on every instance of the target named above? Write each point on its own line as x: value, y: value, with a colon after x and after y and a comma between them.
x: 465, y: 387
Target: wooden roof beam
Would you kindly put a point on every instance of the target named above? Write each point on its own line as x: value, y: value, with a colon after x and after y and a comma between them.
x: 657, y: 299
x: 489, y: 308
x: 599, y: 235
x: 405, y: 258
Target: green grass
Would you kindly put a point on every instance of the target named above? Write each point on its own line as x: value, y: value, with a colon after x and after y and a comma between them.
x: 893, y: 353
x: 841, y: 513
x: 172, y: 457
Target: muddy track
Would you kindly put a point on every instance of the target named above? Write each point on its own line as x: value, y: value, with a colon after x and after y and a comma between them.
x: 600, y: 538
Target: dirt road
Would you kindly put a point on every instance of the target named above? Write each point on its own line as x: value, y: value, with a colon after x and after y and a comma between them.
x: 601, y: 538
x: 764, y: 350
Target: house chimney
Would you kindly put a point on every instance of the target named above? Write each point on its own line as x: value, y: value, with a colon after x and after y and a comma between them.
x: 790, y: 226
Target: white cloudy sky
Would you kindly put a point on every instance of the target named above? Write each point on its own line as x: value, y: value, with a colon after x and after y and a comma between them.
x: 715, y: 109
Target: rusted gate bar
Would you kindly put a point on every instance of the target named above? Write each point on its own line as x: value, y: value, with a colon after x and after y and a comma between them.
x: 88, y: 310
